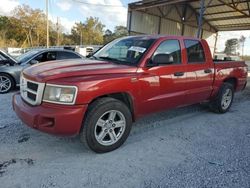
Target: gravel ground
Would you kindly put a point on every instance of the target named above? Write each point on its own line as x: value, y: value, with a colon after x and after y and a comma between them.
x: 186, y: 147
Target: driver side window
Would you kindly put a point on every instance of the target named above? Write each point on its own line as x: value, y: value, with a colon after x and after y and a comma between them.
x: 171, y: 48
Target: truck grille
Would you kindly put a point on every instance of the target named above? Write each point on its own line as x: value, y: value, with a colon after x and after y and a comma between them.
x: 31, y: 92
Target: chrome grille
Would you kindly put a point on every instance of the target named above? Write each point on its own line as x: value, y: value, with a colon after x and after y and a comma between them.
x: 31, y: 92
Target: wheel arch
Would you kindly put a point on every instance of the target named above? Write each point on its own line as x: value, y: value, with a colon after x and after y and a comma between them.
x: 124, y: 97
x: 231, y: 80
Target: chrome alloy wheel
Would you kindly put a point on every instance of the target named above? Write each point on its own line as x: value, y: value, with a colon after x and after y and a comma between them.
x: 5, y: 84
x: 226, y: 99
x: 110, y: 127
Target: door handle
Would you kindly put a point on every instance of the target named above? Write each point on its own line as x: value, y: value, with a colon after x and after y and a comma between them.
x: 207, y: 71
x: 179, y: 73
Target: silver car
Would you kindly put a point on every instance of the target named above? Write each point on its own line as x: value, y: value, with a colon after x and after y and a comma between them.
x: 11, y: 69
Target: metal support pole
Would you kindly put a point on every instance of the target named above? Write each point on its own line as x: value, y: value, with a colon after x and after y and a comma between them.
x: 215, y: 43
x: 202, y: 9
x: 183, y: 19
x: 129, y: 24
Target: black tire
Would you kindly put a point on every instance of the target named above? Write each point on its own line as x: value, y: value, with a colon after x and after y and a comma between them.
x: 11, y: 81
x: 96, y: 111
x: 217, y: 104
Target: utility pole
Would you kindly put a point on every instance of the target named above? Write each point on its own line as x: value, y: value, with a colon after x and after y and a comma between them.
x: 47, y: 17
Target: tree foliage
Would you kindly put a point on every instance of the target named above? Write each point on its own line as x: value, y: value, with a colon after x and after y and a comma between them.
x: 89, y: 32
x: 120, y: 31
x: 231, y: 46
x: 27, y: 28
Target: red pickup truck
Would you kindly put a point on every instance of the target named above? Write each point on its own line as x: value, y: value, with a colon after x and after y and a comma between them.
x: 100, y: 97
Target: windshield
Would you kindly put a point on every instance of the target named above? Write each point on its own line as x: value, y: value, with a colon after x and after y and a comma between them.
x: 26, y: 56
x: 125, y: 51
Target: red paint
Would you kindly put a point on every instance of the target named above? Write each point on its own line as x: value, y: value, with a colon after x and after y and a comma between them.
x: 151, y: 89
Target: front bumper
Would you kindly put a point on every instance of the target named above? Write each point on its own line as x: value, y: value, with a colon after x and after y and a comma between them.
x: 50, y: 118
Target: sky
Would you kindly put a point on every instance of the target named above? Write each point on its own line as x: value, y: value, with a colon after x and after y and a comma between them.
x: 71, y: 11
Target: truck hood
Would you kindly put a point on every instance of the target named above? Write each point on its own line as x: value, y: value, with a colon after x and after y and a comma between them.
x: 71, y: 68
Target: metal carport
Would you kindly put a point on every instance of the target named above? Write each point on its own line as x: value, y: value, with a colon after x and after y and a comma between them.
x: 201, y: 18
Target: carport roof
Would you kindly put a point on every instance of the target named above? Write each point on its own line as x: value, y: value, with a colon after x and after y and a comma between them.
x: 223, y: 15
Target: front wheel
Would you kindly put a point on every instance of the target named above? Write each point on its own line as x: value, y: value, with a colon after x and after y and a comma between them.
x: 107, y: 125
x: 224, y: 99
x: 6, y: 83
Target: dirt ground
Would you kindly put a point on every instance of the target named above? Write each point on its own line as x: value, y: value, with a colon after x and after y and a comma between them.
x: 185, y: 147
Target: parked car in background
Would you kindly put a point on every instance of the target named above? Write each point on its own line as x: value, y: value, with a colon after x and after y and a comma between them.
x: 6, y: 59
x: 10, y: 72
x: 17, y: 53
x: 128, y: 78
x: 225, y: 57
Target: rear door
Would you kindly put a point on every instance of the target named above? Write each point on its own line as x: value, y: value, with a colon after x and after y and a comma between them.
x: 199, y: 71
x: 164, y: 85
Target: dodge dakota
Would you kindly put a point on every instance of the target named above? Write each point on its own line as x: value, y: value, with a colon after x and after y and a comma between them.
x: 126, y: 79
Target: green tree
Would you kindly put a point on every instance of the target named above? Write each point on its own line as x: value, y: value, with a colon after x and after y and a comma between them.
x: 108, y: 36
x: 26, y: 28
x: 4, y: 27
x: 89, y: 32
x: 231, y: 46
x: 120, y: 31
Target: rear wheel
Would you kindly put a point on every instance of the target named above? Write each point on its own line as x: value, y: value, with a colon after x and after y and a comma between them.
x: 224, y: 100
x: 6, y: 83
x: 107, y: 125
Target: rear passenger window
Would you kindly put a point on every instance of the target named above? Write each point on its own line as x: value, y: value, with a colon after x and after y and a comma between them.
x: 67, y: 55
x: 172, y: 48
x: 195, y: 51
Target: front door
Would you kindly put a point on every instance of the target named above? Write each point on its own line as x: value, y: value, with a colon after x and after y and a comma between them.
x: 163, y: 86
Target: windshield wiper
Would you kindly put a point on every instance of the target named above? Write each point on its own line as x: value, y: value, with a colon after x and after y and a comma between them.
x: 110, y: 59
x: 114, y: 60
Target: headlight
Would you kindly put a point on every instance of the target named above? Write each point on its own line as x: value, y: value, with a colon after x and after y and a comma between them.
x: 60, y: 94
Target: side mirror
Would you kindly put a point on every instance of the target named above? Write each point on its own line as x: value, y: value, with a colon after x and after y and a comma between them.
x: 163, y: 59
x: 33, y: 62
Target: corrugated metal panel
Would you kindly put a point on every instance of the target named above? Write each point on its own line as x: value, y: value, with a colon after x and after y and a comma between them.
x: 231, y: 22
x: 223, y: 15
x: 206, y: 26
x: 242, y: 6
x: 170, y: 27
x: 223, y: 8
x: 154, y: 11
x: 190, y: 31
x: 196, y: 4
x: 173, y: 13
x: 144, y: 23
